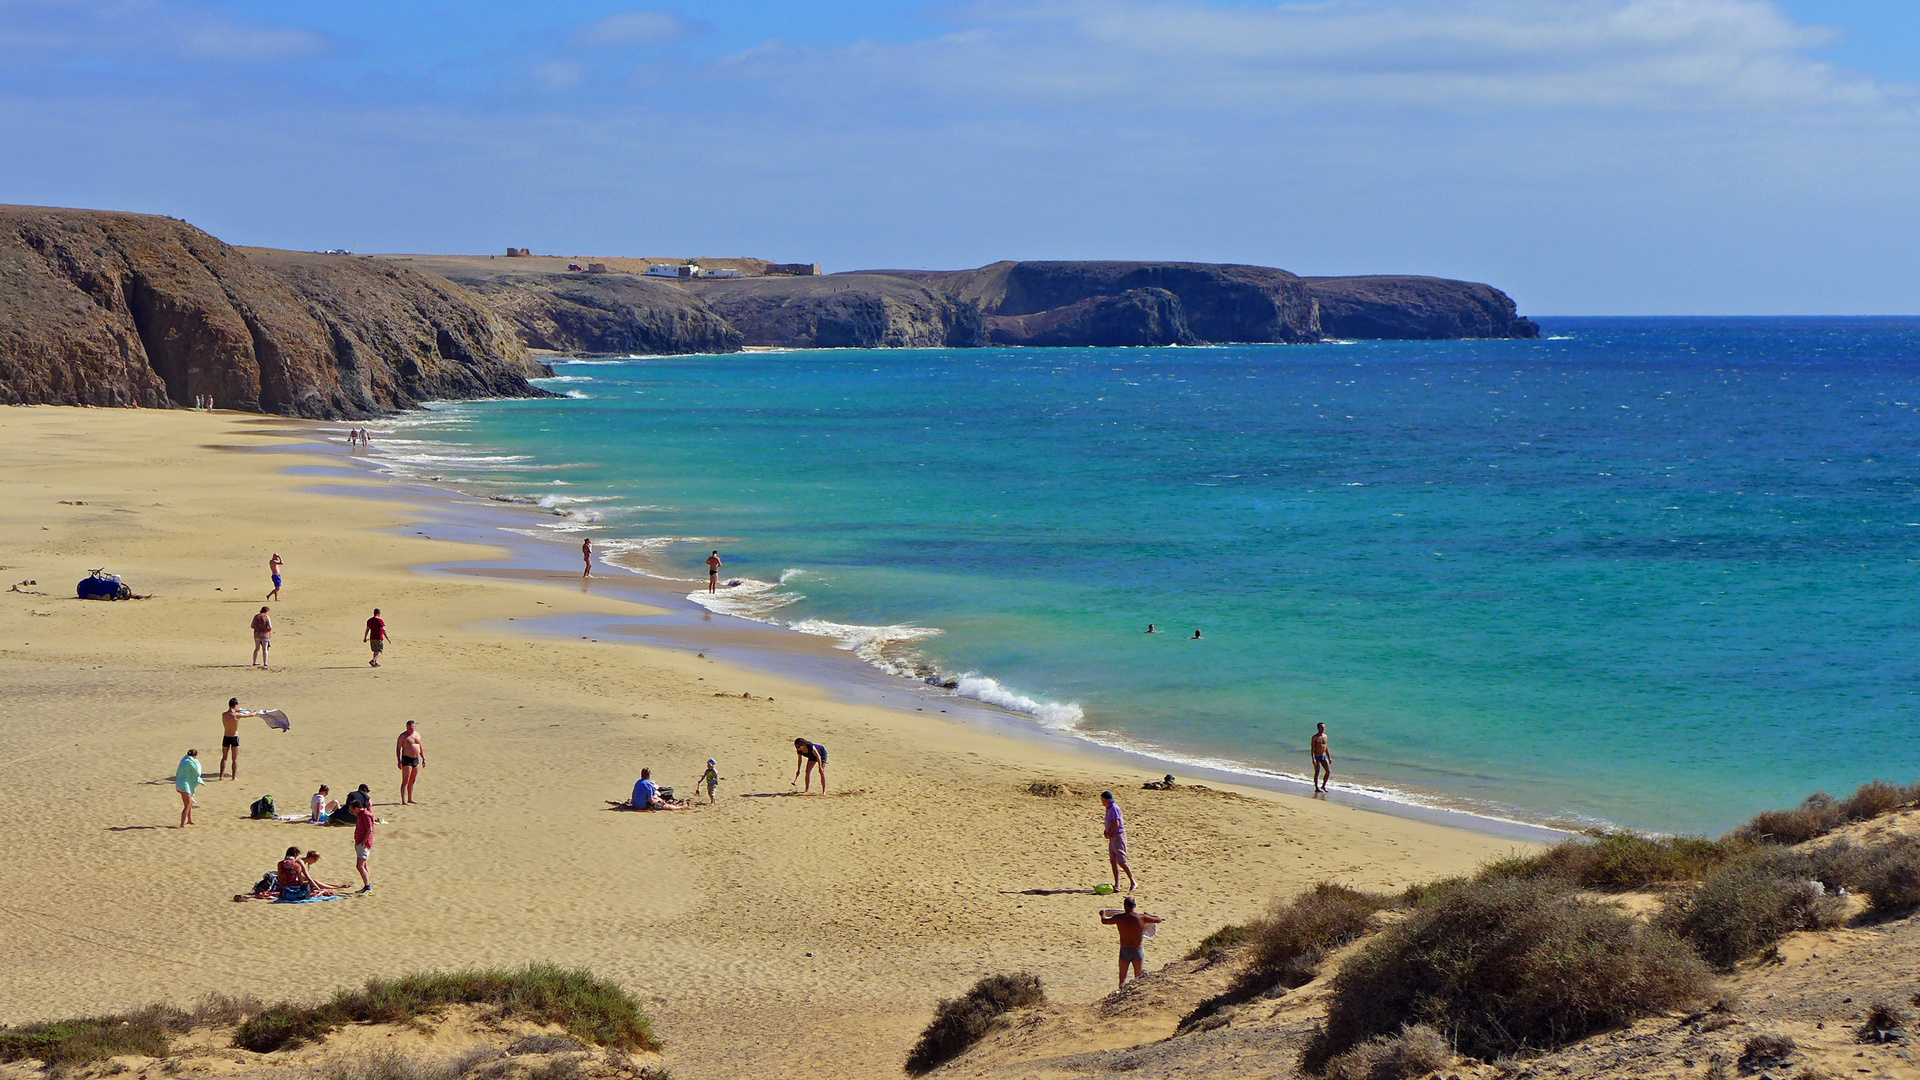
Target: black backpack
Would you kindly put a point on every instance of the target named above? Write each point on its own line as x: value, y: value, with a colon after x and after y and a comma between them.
x: 262, y: 807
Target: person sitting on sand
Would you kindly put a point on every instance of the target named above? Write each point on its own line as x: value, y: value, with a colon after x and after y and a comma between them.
x: 810, y: 754
x: 1163, y: 784
x: 323, y: 805
x: 294, y: 882
x: 262, y: 638
x: 308, y: 860
x: 646, y: 795
x: 1133, y: 931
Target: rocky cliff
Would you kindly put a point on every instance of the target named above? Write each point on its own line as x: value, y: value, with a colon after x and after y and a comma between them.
x: 100, y: 308
x: 842, y: 311
x: 1406, y: 307
x: 615, y: 314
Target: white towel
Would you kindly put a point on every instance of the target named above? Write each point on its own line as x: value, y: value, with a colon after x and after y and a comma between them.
x: 276, y: 719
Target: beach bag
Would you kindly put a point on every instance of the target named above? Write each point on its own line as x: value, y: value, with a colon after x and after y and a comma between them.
x: 262, y: 807
x: 266, y: 884
x: 101, y: 585
x: 666, y: 794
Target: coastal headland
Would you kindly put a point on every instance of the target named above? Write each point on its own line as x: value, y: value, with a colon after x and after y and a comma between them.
x: 771, y: 934
x: 106, y: 308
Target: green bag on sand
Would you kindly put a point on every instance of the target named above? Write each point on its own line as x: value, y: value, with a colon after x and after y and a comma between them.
x: 1102, y: 890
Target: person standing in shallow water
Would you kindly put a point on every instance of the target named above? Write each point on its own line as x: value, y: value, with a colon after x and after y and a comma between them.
x: 1322, y: 758
x: 586, y: 556
x: 713, y: 572
x: 1115, y: 831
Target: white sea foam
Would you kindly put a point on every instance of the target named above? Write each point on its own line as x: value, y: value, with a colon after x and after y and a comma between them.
x: 1060, y: 716
x: 750, y: 599
x: 564, y: 378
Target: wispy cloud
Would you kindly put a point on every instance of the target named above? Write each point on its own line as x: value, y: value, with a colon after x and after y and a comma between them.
x: 143, y: 33
x: 636, y: 28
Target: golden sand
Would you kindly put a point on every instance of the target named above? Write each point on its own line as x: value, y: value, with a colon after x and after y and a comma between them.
x: 769, y: 936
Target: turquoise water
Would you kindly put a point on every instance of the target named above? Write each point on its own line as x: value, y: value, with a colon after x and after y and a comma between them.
x: 1660, y: 573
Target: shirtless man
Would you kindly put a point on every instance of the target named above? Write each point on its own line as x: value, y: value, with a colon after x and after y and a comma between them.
x: 230, y: 741
x: 273, y: 567
x: 713, y: 572
x: 1322, y: 759
x: 412, y: 756
x: 1133, y: 931
x: 586, y: 556
x: 376, y: 637
x: 262, y: 638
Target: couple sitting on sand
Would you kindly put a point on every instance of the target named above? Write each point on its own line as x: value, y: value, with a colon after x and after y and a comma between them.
x: 648, y: 796
x: 292, y: 880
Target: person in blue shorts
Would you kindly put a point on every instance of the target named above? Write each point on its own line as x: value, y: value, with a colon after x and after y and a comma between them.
x: 273, y: 567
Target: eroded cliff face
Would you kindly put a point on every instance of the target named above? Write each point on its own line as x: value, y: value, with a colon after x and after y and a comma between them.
x: 101, y: 308
x: 842, y: 311
x: 1402, y: 307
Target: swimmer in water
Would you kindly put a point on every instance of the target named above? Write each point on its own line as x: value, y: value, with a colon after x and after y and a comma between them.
x: 1152, y: 629
x: 1195, y: 637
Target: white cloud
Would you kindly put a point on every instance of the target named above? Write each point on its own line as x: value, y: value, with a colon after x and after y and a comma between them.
x: 47, y: 33
x: 631, y: 28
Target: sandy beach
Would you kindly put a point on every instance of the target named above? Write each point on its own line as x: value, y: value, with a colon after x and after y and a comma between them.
x: 770, y: 934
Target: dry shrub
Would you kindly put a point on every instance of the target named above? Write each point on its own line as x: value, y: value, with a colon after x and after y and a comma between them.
x: 66, y: 1043
x: 1507, y: 965
x: 544, y: 1044
x: 1883, y: 1016
x: 1615, y: 861
x: 390, y: 1064
x: 1289, y: 943
x: 1220, y: 941
x: 1748, y: 905
x: 960, y: 1022
x: 1767, y: 1050
x: 1416, y: 1051
x: 1821, y: 813
x: 1890, y: 875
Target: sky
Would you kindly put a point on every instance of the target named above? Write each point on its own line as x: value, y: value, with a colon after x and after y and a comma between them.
x: 1587, y: 156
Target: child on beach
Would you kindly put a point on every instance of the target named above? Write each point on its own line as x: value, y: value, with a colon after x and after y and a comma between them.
x: 711, y: 778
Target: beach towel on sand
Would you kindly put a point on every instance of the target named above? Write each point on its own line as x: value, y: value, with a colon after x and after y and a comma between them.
x: 310, y: 899
x: 276, y: 719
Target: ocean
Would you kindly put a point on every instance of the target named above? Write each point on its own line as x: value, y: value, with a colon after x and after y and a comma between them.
x: 1656, y: 573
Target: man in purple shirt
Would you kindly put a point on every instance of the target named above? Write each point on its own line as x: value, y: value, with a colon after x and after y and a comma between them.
x: 1116, y: 834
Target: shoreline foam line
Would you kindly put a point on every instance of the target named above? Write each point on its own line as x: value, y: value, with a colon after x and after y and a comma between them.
x: 1019, y: 714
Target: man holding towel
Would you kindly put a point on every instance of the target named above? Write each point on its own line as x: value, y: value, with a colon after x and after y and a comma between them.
x: 230, y: 741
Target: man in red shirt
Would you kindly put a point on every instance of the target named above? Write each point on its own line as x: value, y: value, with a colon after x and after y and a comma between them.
x: 376, y: 636
x: 362, y: 843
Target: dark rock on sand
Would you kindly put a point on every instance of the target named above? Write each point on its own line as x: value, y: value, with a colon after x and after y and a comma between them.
x: 102, y: 308
x: 842, y: 311
x: 1409, y: 307
x: 593, y: 314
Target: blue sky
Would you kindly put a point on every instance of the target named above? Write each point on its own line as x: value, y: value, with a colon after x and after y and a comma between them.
x: 1588, y: 156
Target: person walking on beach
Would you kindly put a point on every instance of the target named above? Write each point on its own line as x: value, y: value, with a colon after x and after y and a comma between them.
x: 1116, y: 834
x: 586, y: 556
x: 1322, y: 758
x: 376, y: 636
x: 262, y: 637
x: 362, y: 843
x: 810, y: 754
x: 412, y: 756
x: 273, y: 567
x: 230, y: 739
x: 711, y: 778
x: 1133, y: 932
x: 186, y: 781
x: 713, y: 572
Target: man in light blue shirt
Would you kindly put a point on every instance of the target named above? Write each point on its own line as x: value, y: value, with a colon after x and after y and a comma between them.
x: 646, y: 792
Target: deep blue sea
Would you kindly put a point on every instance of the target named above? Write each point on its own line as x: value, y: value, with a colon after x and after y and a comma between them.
x: 1654, y: 572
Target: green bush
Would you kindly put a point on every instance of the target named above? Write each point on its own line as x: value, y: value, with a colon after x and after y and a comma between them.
x: 589, y: 1008
x: 1220, y: 941
x: 1821, y: 813
x: 1615, y: 861
x: 1748, y: 905
x: 1415, y: 1051
x: 65, y: 1043
x: 1289, y: 943
x: 1506, y: 965
x: 960, y: 1022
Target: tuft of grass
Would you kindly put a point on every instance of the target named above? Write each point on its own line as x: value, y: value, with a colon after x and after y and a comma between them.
x: 1617, y: 861
x: 1890, y: 875
x: 1415, y: 1051
x: 544, y: 1044
x: 1883, y: 1016
x: 960, y: 1022
x: 1766, y: 1050
x: 1748, y: 905
x: 1220, y: 941
x: 63, y: 1044
x: 1289, y: 943
x: 591, y: 1009
x: 1506, y: 965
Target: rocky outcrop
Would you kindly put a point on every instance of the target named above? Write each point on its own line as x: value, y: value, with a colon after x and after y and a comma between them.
x: 1162, y: 303
x: 842, y: 311
x: 593, y: 314
x: 100, y: 308
x: 1409, y: 307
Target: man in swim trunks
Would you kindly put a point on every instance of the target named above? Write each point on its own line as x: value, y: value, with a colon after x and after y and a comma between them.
x: 295, y: 884
x: 810, y: 754
x: 262, y: 637
x: 1116, y: 834
x: 230, y: 742
x: 273, y: 567
x: 713, y: 572
x: 586, y: 555
x: 362, y: 843
x: 376, y: 636
x: 412, y: 756
x: 1133, y: 931
x: 1322, y: 758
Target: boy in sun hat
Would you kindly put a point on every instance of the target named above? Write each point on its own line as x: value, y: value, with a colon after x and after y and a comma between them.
x: 711, y: 778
